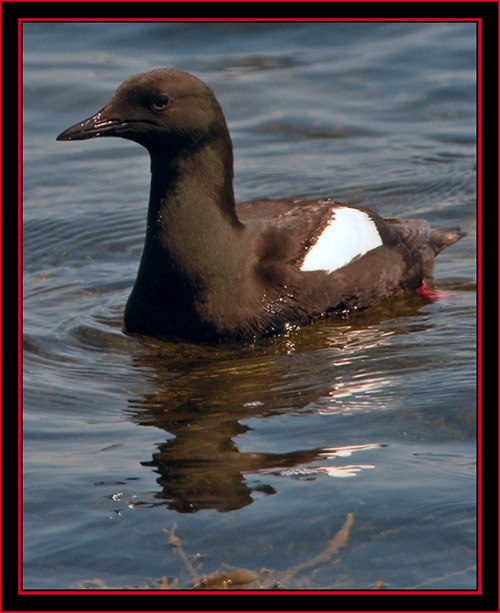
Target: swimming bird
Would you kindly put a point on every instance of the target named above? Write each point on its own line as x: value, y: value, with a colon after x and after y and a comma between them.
x: 212, y: 269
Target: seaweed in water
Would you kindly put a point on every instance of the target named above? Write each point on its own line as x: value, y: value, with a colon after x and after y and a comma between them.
x: 237, y: 578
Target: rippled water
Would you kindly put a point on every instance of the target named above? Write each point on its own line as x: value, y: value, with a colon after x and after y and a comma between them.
x: 338, y: 456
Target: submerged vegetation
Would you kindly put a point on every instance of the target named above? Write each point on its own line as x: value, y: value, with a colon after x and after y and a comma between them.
x: 232, y: 578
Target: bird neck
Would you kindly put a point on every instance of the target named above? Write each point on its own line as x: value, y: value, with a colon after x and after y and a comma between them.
x: 193, y: 229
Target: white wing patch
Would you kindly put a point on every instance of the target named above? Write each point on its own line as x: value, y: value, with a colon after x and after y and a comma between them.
x: 349, y: 233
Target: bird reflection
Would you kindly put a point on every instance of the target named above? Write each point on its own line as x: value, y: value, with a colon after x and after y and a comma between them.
x: 201, y: 467
x: 204, y: 393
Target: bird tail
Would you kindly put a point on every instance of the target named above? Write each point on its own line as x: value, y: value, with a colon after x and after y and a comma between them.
x: 440, y: 238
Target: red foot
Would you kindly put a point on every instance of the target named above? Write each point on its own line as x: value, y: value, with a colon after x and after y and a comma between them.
x: 429, y: 294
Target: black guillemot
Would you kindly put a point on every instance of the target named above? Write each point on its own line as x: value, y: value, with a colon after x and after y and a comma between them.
x: 212, y: 269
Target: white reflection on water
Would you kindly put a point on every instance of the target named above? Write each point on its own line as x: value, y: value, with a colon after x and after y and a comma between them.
x: 333, y: 453
x: 350, y: 397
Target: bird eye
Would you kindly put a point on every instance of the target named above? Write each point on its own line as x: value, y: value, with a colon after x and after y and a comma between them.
x: 160, y: 103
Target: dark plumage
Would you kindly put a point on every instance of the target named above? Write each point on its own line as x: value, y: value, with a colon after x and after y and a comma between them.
x: 212, y: 269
